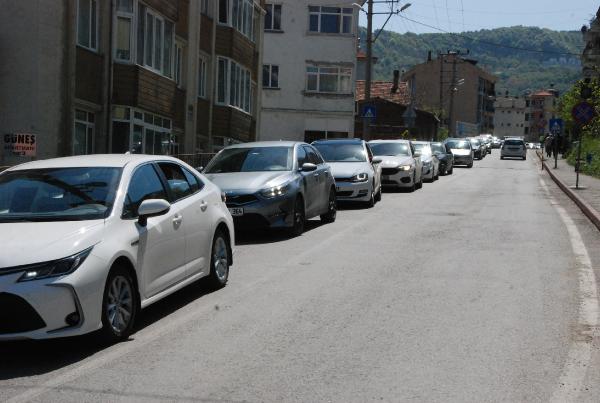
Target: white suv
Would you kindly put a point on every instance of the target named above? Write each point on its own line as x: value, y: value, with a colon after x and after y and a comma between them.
x: 513, y: 148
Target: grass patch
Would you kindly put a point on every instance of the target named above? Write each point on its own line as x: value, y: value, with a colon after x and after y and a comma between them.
x: 590, y: 145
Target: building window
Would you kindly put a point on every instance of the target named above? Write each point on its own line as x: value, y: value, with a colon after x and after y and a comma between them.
x: 273, y: 17
x: 83, y: 137
x: 124, y: 24
x: 142, y: 133
x: 270, y: 76
x: 205, y: 7
x: 234, y: 85
x: 330, y: 20
x: 179, y: 64
x: 87, y: 24
x: 314, y: 135
x: 329, y: 79
x: 155, y: 47
x: 239, y: 14
x: 202, y: 71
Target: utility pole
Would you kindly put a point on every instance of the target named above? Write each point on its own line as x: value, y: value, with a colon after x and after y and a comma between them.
x: 441, y: 109
x: 370, y: 40
x: 369, y: 72
x: 452, y: 92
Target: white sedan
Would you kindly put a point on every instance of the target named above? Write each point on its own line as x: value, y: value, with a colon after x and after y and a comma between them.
x: 89, y: 241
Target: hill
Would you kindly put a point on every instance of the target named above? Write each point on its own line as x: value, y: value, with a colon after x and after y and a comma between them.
x: 555, y: 61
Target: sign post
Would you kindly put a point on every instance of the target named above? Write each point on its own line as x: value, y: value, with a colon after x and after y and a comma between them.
x: 583, y: 113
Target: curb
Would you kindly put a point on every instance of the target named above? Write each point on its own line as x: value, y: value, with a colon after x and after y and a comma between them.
x: 588, y: 210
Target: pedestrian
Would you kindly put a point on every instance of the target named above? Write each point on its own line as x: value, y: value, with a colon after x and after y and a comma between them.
x: 548, y: 146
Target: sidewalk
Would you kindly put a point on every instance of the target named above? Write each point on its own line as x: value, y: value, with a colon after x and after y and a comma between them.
x: 587, y: 199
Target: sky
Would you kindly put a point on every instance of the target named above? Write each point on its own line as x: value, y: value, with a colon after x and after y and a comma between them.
x: 473, y: 15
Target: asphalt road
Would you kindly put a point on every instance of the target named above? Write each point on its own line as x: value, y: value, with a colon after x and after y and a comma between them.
x: 465, y: 291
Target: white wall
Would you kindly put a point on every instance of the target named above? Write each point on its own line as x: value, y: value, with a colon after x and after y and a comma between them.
x: 288, y: 112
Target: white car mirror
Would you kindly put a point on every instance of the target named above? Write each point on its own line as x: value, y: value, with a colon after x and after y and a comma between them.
x: 377, y: 160
x: 308, y: 167
x: 152, y: 208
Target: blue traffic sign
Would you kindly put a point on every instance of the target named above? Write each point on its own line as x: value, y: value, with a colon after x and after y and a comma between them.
x: 557, y: 126
x: 369, y: 111
x: 583, y: 113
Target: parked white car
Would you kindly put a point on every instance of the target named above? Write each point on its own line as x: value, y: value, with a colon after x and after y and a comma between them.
x: 94, y: 239
x: 399, y: 167
x: 431, y: 164
x: 513, y: 148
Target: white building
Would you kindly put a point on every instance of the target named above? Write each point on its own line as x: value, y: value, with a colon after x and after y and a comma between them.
x: 511, y: 117
x: 309, y: 70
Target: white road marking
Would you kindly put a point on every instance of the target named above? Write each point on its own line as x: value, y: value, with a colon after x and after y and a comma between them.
x: 580, y: 353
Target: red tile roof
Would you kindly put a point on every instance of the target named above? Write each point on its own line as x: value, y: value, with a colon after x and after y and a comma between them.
x: 542, y: 94
x: 383, y: 90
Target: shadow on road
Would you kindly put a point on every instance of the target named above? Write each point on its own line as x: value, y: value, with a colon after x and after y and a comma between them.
x: 31, y: 357
x: 259, y: 236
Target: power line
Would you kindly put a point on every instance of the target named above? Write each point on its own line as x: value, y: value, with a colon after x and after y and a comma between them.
x: 448, y: 15
x: 462, y: 12
x: 499, y: 45
x: 513, y: 13
x: 437, y: 21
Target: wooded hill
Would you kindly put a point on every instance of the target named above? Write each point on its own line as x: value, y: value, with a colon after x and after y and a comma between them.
x: 553, y: 59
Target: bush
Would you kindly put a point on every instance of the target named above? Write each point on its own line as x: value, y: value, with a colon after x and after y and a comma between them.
x: 590, y: 145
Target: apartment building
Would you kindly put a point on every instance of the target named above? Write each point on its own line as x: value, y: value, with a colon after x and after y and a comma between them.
x: 456, y: 88
x: 542, y: 107
x: 153, y: 76
x: 511, y: 116
x: 309, y: 69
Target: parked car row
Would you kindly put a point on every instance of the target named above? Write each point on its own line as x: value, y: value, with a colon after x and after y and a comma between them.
x: 103, y: 236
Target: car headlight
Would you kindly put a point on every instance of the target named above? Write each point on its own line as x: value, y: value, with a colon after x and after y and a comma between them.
x: 360, y: 177
x: 405, y: 167
x: 275, y: 191
x: 55, y: 268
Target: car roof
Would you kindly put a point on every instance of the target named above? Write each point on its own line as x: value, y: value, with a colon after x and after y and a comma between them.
x: 421, y: 142
x: 390, y: 141
x: 94, y: 160
x: 339, y: 141
x: 266, y: 144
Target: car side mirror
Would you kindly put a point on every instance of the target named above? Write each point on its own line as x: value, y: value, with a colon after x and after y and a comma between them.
x: 152, y: 208
x: 377, y: 160
x: 200, y: 169
x: 417, y: 154
x: 308, y: 167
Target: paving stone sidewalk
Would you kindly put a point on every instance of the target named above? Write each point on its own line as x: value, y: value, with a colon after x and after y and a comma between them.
x: 566, y: 173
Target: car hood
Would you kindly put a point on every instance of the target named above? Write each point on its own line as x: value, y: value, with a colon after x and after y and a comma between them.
x: 37, y: 242
x: 426, y: 159
x: 348, y: 169
x: 249, y: 181
x: 396, y: 161
x: 461, y: 152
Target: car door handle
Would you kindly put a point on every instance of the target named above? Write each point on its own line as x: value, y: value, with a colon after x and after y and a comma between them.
x: 203, y: 205
x: 177, y: 220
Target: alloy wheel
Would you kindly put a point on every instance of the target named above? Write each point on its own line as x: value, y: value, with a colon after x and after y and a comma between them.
x: 220, y: 260
x: 120, y: 304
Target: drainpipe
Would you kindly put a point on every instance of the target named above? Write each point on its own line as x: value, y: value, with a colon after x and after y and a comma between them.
x: 213, y: 77
x: 258, y: 108
x: 109, y: 93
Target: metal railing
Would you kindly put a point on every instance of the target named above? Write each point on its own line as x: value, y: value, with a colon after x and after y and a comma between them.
x: 196, y: 160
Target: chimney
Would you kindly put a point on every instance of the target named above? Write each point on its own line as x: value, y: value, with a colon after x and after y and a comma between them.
x: 396, y: 81
x: 429, y: 56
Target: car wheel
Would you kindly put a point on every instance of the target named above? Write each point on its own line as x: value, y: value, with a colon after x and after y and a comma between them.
x: 420, y: 184
x: 119, y: 305
x: 501, y: 158
x: 331, y: 214
x: 470, y: 165
x: 371, y: 202
x: 299, y: 218
x: 451, y: 171
x: 524, y: 158
x: 219, y: 261
x: 378, y: 195
x: 436, y: 177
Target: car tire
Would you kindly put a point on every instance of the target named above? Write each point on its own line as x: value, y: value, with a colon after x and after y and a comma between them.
x: 120, y: 305
x: 331, y: 214
x: 420, y: 184
x: 219, y: 261
x: 299, y: 218
x: 378, y: 195
x: 451, y: 171
x: 501, y: 158
x: 414, y: 183
x: 371, y: 202
x: 524, y: 158
x: 470, y: 165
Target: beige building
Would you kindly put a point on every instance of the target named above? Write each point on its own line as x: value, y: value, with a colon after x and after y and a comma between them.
x: 511, y: 117
x: 456, y: 89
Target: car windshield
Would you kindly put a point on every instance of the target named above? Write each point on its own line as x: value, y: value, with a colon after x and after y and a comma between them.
x: 389, y: 149
x: 438, y: 148
x: 252, y: 159
x: 459, y: 145
x: 513, y: 143
x: 342, y: 152
x: 475, y: 142
x: 425, y: 149
x: 58, y: 194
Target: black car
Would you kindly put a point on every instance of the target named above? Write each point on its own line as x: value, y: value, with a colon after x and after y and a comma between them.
x: 478, y: 148
x: 445, y: 156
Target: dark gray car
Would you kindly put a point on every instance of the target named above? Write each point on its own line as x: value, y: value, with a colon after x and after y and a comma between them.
x: 276, y: 184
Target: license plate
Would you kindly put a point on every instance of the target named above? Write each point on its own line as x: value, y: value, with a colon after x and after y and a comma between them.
x: 236, y: 211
